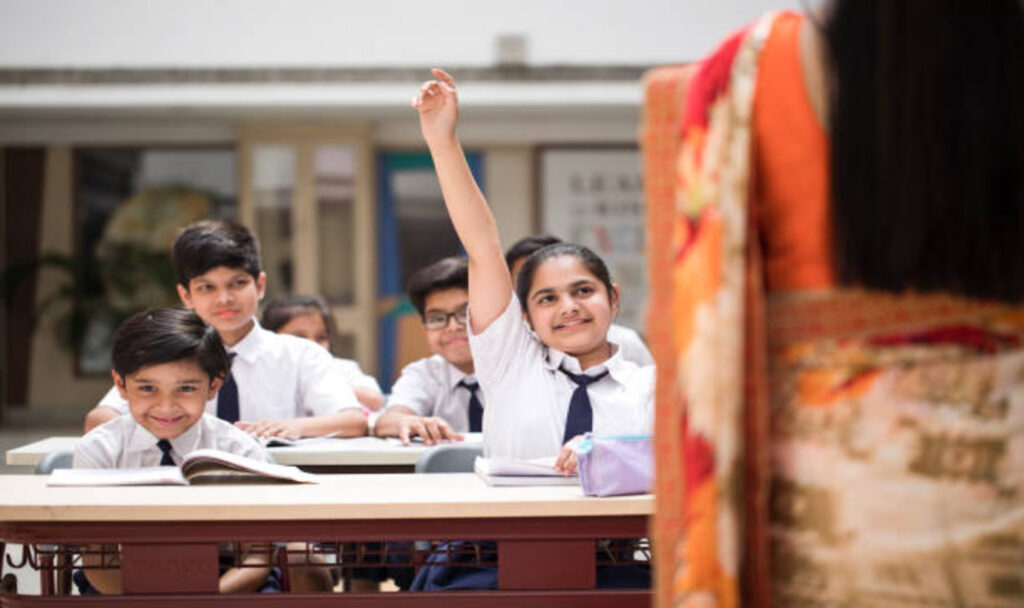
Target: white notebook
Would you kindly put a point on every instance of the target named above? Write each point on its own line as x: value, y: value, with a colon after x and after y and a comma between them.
x: 502, y: 471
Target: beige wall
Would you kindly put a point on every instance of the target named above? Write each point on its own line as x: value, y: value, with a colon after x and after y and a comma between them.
x: 508, y: 177
x: 52, y: 381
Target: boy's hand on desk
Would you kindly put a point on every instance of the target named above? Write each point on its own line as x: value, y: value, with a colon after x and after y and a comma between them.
x: 567, y: 463
x: 438, y: 107
x: 271, y: 428
x: 431, y: 430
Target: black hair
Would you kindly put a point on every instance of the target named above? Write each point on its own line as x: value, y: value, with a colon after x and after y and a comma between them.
x: 525, y: 247
x: 165, y: 335
x: 447, y: 273
x: 207, y: 244
x: 590, y: 260
x: 927, y: 137
x: 279, y: 311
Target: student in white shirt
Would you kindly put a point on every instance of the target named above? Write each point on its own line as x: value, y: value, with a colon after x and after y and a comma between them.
x: 167, y: 364
x: 279, y: 385
x: 437, y: 398
x: 308, y: 317
x: 530, y: 377
x: 630, y: 344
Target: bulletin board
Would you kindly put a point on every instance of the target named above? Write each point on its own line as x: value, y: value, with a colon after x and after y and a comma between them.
x: 594, y: 196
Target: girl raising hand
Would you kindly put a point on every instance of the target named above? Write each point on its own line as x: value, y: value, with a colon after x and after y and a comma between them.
x: 542, y: 388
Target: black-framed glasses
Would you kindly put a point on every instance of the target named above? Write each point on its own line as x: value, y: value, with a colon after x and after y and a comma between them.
x: 439, y: 320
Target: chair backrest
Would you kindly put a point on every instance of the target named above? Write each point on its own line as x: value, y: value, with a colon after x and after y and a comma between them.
x: 54, y: 460
x: 449, y: 458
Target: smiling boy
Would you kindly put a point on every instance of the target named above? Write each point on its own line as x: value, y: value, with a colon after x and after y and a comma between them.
x: 166, y: 365
x: 279, y: 385
x: 437, y: 398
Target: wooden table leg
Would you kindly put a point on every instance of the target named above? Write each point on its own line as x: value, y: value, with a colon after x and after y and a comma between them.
x: 546, y: 564
x: 169, y: 568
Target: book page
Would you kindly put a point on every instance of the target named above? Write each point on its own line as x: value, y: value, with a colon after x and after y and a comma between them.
x: 208, y: 462
x: 145, y: 476
x: 500, y: 471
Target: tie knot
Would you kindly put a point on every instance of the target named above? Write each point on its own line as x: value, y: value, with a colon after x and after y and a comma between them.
x: 469, y: 386
x: 164, y: 445
x: 583, y: 379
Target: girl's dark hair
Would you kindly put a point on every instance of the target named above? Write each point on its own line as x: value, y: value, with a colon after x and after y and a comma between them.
x: 279, y: 311
x: 526, y: 246
x: 927, y: 133
x: 165, y: 335
x: 590, y: 260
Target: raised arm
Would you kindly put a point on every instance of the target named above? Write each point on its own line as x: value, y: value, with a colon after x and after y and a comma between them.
x: 490, y: 285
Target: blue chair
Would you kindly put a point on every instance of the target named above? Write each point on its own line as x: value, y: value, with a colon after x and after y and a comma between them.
x: 54, y: 460
x: 449, y: 458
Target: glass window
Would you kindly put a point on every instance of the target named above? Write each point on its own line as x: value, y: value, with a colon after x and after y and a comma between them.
x: 273, y: 188
x: 130, y: 205
x: 335, y: 170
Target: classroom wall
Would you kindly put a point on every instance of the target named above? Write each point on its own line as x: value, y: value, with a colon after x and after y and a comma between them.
x: 52, y: 381
x: 235, y: 33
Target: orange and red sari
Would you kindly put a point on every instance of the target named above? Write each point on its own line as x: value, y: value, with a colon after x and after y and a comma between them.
x: 816, y: 445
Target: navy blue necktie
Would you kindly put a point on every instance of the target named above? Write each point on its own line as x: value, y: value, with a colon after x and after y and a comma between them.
x: 476, y: 410
x: 165, y: 447
x: 227, y: 400
x: 581, y: 415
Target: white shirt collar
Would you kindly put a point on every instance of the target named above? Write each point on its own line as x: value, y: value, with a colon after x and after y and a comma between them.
x: 556, y: 359
x: 248, y: 347
x: 142, y: 440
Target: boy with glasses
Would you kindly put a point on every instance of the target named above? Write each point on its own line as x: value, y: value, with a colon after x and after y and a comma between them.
x: 437, y: 398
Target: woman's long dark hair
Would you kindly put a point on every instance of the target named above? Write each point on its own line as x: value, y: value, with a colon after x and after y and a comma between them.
x: 927, y: 126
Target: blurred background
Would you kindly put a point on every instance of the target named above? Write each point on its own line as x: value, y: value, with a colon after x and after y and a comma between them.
x: 121, y: 121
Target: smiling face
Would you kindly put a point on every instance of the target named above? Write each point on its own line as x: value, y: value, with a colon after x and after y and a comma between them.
x: 451, y: 341
x: 310, y: 326
x: 226, y: 298
x: 571, y: 309
x: 167, y: 398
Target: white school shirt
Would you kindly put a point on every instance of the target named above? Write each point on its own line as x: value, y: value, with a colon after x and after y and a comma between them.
x: 123, y: 443
x: 430, y: 387
x: 279, y: 377
x: 528, y: 397
x: 354, y: 375
x: 630, y: 345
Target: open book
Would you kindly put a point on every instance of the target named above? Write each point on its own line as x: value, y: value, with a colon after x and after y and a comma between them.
x: 502, y: 471
x: 199, y: 467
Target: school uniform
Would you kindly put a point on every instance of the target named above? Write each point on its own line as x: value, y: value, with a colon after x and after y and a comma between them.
x: 630, y: 344
x: 278, y: 376
x: 123, y: 443
x: 354, y: 375
x: 434, y: 387
x: 529, y: 393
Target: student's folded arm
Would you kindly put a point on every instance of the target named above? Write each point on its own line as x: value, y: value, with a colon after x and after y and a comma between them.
x: 368, y: 396
x: 99, y: 415
x: 489, y: 281
x: 390, y: 421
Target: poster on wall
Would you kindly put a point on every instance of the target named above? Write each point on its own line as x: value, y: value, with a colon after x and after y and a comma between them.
x: 594, y: 197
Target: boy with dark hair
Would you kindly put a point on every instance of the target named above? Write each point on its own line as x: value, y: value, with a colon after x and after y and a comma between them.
x: 437, y: 398
x: 166, y: 364
x: 279, y: 385
x: 633, y: 347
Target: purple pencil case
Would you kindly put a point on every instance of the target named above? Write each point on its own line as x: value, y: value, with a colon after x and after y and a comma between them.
x: 615, y: 465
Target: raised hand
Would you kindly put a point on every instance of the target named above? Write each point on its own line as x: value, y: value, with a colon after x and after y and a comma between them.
x: 438, y: 107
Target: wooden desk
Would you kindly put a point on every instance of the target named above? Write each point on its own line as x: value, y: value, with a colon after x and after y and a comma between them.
x: 360, y: 454
x: 545, y: 534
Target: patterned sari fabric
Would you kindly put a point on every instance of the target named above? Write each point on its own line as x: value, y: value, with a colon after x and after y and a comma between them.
x: 815, y: 447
